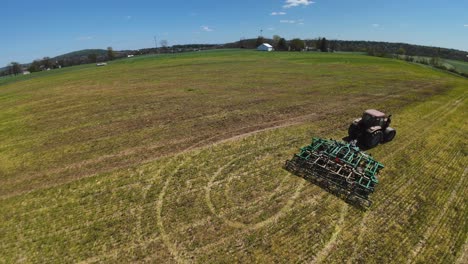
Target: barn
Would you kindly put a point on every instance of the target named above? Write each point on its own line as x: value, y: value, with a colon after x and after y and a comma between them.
x: 265, y: 47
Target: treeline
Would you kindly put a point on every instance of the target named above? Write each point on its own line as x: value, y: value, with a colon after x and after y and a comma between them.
x: 65, y: 60
x: 373, y: 48
x: 96, y: 56
x: 393, y: 48
x: 176, y: 49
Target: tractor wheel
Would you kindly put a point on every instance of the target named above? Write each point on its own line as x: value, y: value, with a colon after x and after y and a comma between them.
x: 373, y: 139
x: 389, y: 134
x: 353, y: 131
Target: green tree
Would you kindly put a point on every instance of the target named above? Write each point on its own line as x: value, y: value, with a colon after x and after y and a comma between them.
x: 435, y: 61
x: 401, y: 51
x: 110, y: 53
x: 323, y: 46
x: 276, y: 39
x: 46, y: 63
x: 260, y: 41
x: 35, y: 66
x: 92, y: 57
x: 297, y: 44
x: 242, y: 43
x: 282, y: 45
x: 318, y: 43
x: 14, y: 68
x: 332, y: 45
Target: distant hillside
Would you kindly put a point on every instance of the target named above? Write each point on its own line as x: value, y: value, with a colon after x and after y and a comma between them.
x: 82, y: 53
x: 371, y: 47
x: 81, y: 57
x: 392, y: 48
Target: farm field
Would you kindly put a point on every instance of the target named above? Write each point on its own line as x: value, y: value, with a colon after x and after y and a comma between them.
x: 461, y: 66
x: 179, y: 159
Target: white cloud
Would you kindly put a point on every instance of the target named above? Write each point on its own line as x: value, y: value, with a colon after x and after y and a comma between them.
x: 294, y: 3
x: 288, y: 21
x: 206, y: 28
x: 465, y: 25
x: 128, y: 17
x: 301, y: 23
x: 271, y: 29
x: 376, y: 25
x: 278, y: 13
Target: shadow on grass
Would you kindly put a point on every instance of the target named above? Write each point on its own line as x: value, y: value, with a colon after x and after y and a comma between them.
x: 360, y: 144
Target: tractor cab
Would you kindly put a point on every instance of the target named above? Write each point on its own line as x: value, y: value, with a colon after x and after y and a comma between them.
x: 373, y: 117
x: 372, y: 128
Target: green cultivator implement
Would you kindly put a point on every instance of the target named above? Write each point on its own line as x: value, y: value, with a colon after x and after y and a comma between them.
x: 339, y: 166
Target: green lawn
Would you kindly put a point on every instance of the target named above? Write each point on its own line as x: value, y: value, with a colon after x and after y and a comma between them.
x: 178, y: 158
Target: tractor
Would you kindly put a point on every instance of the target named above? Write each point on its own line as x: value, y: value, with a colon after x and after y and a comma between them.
x: 371, y: 129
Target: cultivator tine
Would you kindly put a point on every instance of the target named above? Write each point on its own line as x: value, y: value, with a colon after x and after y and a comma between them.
x: 337, y: 165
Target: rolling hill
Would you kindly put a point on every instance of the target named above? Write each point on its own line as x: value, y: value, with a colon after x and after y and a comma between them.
x: 81, y: 53
x: 178, y: 158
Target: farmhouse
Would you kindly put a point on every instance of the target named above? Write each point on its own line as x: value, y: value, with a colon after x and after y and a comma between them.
x: 265, y: 47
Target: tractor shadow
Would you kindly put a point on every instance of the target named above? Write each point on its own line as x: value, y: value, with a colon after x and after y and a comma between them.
x: 359, y: 143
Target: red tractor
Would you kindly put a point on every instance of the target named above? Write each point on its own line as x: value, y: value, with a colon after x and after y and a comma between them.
x: 371, y: 129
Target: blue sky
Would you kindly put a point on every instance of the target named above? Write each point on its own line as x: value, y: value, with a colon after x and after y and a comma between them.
x: 34, y: 29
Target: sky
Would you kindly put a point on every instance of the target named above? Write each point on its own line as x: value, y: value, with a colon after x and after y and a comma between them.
x: 32, y: 29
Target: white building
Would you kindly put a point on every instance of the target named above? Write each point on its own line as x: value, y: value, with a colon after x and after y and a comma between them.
x: 265, y: 47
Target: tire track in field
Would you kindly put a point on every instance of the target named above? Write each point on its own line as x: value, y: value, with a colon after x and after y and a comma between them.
x: 263, y: 197
x: 257, y: 129
x: 144, y: 195
x: 325, y: 251
x: 448, y: 162
x: 237, y: 224
x: 418, y: 189
x: 413, y: 137
x: 463, y: 258
x: 176, y: 254
x: 212, y: 246
x: 440, y: 114
x: 403, y: 182
x: 430, y: 230
x: 114, y: 252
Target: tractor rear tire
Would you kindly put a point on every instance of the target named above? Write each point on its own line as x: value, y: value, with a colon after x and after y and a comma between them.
x: 353, y: 131
x: 373, y: 139
x: 389, y: 134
